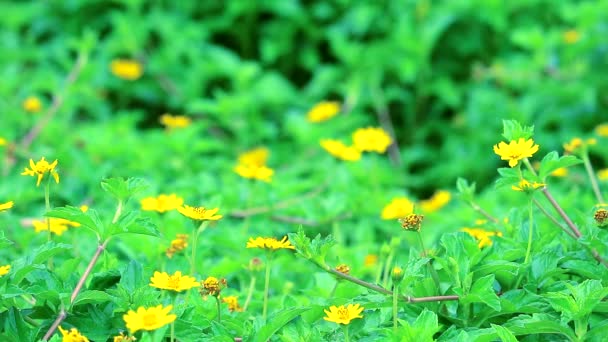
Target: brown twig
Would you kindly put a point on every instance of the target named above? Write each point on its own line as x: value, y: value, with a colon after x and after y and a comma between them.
x: 480, y: 210
x: 243, y: 213
x: 309, y: 223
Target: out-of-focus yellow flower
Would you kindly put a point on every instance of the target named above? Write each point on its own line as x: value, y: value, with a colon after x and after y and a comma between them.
x: 370, y: 260
x: 323, y: 111
x: 482, y: 236
x: 148, y: 318
x: 176, y: 282
x: 57, y: 225
x: 178, y: 244
x: 127, y: 69
x: 602, y: 174
x: 337, y: 149
x: 561, y: 172
x: 72, y: 336
x: 577, y: 143
x: 412, y: 222
x: 162, y: 203
x: 6, y: 206
x: 269, y: 243
x: 371, y: 139
x: 199, y: 213
x: 3, y: 141
x: 262, y: 173
x: 398, y: 208
x: 123, y: 338
x: 515, y: 150
x: 172, y: 122
x: 343, y: 268
x: 40, y: 168
x: 343, y: 315
x: 257, y: 156
x: 32, y: 104
x: 437, y: 201
x: 524, y: 185
x: 571, y: 36
x: 233, y: 303
x: 4, y: 270
x: 602, y: 130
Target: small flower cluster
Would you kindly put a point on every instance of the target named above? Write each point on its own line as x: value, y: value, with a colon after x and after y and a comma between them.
x: 178, y: 244
x: 252, y: 165
x: 370, y: 139
x: 323, y: 111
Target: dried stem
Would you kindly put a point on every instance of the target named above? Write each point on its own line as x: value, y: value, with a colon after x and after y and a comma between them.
x: 280, y: 205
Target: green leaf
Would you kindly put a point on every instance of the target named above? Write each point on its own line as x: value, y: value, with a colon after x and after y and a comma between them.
x: 92, y: 296
x: 122, y: 189
x: 131, y: 222
x: 466, y: 190
x: 508, y: 176
x: 539, y: 324
x: 423, y: 328
x: 551, y: 162
x: 35, y: 260
x: 89, y: 220
x: 504, y: 334
x: 513, y: 130
x: 276, y: 322
x: 482, y: 291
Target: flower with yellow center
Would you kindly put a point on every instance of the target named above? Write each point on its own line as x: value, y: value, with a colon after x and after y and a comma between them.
x: 602, y: 174
x: 148, y: 318
x: 174, y: 121
x: 257, y: 156
x: 372, y: 139
x: 342, y: 314
x: 343, y: 268
x: 262, y: 172
x: 6, y: 206
x: 482, y: 236
x: 233, y: 303
x: 72, y: 336
x: 127, y: 69
x: 176, y: 282
x: 199, y: 213
x: 40, y: 168
x: 269, y: 243
x: 323, y: 111
x: 437, y: 201
x: 399, y: 207
x: 576, y: 144
x: 4, y: 270
x: 571, y: 36
x: 412, y: 222
x: 602, y: 130
x: 524, y: 185
x: 516, y: 150
x: 123, y: 338
x: 57, y: 225
x: 32, y: 104
x: 338, y: 150
x: 178, y: 244
x: 162, y: 203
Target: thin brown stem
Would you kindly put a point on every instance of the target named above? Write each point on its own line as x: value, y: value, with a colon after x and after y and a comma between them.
x: 480, y: 210
x: 55, y: 325
x: 553, y: 219
x: 561, y: 212
x: 280, y: 205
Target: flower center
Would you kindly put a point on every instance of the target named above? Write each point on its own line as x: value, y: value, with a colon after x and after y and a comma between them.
x: 173, y: 282
x: 343, y: 313
x: 150, y: 320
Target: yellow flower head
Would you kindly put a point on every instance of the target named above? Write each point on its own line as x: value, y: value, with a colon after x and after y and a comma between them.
x: 72, y: 336
x: 174, y: 121
x: 148, y: 318
x: 262, y: 173
x: 337, y: 149
x: 397, y: 274
x: 571, y: 36
x: 178, y: 244
x: 372, y: 139
x: 343, y: 268
x: 162, y: 203
x: 561, y: 172
x: 4, y: 270
x: 41, y: 168
x: 176, y: 282
x: 199, y: 213
x: 269, y: 243
x: 577, y: 143
x: 482, y: 236
x: 524, y: 185
x: 601, y: 217
x: 127, y: 69
x: 57, y: 225
x: 399, y: 207
x: 370, y: 260
x: 437, y: 201
x: 32, y: 104
x: 323, y: 111
x: 412, y: 222
x: 123, y: 338
x: 515, y: 150
x: 213, y: 286
x: 233, y: 304
x: 6, y: 206
x: 342, y: 314
x: 256, y: 157
x: 602, y: 130
x: 602, y: 174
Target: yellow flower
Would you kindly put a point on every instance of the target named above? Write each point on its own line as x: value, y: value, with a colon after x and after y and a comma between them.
x: 127, y: 69
x: 412, y: 222
x: 524, y: 185
x: 58, y: 225
x: 269, y: 243
x: 32, y: 104
x: 399, y: 207
x: 3, y: 141
x: 213, y: 286
x: 436, y: 202
x: 571, y: 36
x: 342, y: 314
x: 602, y: 130
x: 176, y: 282
x: 233, y: 304
x: 174, y: 121
x: 482, y: 236
x: 199, y: 213
x: 602, y: 174
x: 337, y: 149
x: 370, y: 260
x: 343, y: 268
x: 371, y: 139
x: 262, y: 173
x: 561, y: 172
x: 72, y: 336
x: 4, y: 270
x: 256, y: 157
x: 576, y: 143
x: 6, y: 206
x: 41, y: 168
x: 123, y: 338
x: 178, y: 244
x: 323, y: 111
x: 515, y: 150
x: 148, y: 318
x: 601, y: 217
x: 161, y: 203
x: 397, y: 274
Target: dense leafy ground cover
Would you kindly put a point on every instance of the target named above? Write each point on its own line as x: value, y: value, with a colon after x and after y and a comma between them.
x: 193, y: 171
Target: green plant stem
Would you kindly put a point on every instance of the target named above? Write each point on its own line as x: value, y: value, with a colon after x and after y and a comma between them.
x: 387, y: 267
x: 173, y: 331
x: 219, y: 308
x: 553, y: 219
x: 432, y: 271
x: 198, y: 231
x: 379, y: 273
x: 395, y: 307
x: 530, y: 232
x: 267, y: 286
x: 47, y: 207
x: 333, y: 290
x: 591, y: 174
x: 484, y: 213
x: 345, y: 328
x: 249, y: 292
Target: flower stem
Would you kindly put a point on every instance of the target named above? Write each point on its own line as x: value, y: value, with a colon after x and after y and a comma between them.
x: 345, y: 328
x: 395, y: 307
x: 173, y: 331
x: 387, y: 267
x: 530, y: 231
x: 484, y: 213
x: 432, y: 271
x: 200, y: 229
x: 266, y: 286
x: 249, y: 292
x: 553, y: 219
x: 47, y: 207
x: 219, y: 309
x: 591, y: 174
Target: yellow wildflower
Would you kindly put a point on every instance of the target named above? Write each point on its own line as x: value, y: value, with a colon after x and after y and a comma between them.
x: 178, y: 244
x: 561, y: 172
x: 262, y: 173
x: 72, y: 336
x: 342, y: 314
x: 58, y: 225
x: 399, y: 207
x: 213, y: 286
x: 176, y: 282
x: 437, y: 201
x: 323, y: 111
x: 343, y: 268
x: 576, y: 143
x: 397, y: 274
x: 148, y: 318
x: 32, y: 104
x: 602, y: 130
x: 601, y: 217
x: 269, y: 243
x: 123, y: 338
x: 6, y: 206
x: 524, y: 185
x: 199, y: 213
x: 515, y: 150
x: 370, y: 260
x: 41, y: 168
x: 84, y: 208
x: 161, y: 203
x: 571, y: 36
x: 257, y: 157
x: 4, y: 270
x: 174, y: 121
x: 233, y: 304
x: 3, y: 141
x: 482, y: 236
x: 372, y: 139
x: 602, y: 174
x: 337, y: 149
x: 412, y: 222
x: 127, y: 69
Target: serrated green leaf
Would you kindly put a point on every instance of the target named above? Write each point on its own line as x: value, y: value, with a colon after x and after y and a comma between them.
x: 539, y: 324
x: 551, y: 162
x: 276, y: 322
x: 482, y: 291
x: 92, y: 296
x: 504, y: 334
x: 122, y: 189
x: 513, y: 130
x: 89, y: 220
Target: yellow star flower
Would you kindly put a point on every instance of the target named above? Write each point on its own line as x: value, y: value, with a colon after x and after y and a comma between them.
x: 32, y: 104
x: 342, y: 314
x: 269, y: 243
x: 174, y: 121
x: 6, y: 206
x: 72, y: 336
x: 262, y: 172
x: 323, y: 111
x: 162, y: 203
x: 199, y: 213
x: 176, y: 282
x: 4, y: 270
x: 524, y: 185
x: 127, y: 69
x: 233, y: 303
x: 337, y: 149
x: 372, y: 139
x: 257, y: 156
x: 482, y: 236
x: 58, y: 225
x: 436, y: 202
x: 41, y: 168
x: 576, y: 143
x: 148, y: 318
x: 515, y: 150
x: 399, y: 207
